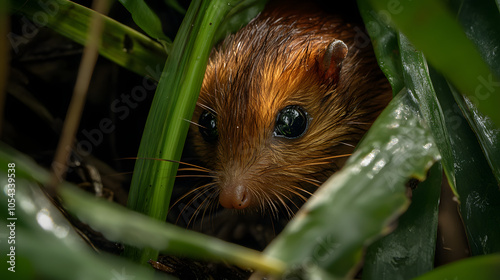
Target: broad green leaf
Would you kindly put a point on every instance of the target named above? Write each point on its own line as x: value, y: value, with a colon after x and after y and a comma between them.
x: 476, y: 186
x: 431, y: 28
x: 480, y: 20
x: 145, y: 18
x: 120, y: 44
x: 120, y: 224
x: 483, y: 267
x: 117, y: 224
x: 46, y: 243
x: 403, y: 65
x: 416, y: 77
x: 486, y: 132
x: 173, y: 105
x: 473, y: 180
x: 358, y: 203
x: 408, y: 252
x: 385, y: 45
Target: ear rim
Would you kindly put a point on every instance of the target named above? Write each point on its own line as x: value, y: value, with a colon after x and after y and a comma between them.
x: 331, y: 63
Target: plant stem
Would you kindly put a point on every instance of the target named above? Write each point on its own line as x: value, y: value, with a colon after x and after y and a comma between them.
x: 167, y: 126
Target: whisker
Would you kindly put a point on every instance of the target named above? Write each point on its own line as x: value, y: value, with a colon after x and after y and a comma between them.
x: 212, y: 206
x: 293, y: 190
x: 260, y: 199
x: 209, y: 199
x: 206, y: 108
x: 117, y: 174
x: 194, y: 176
x: 169, y: 160
x: 272, y: 226
x: 314, y: 182
x: 347, y: 144
x: 183, y: 210
x: 296, y: 191
x: 272, y: 206
x: 363, y: 123
x: 180, y: 169
x: 191, y: 169
x: 197, y: 211
x: 329, y: 157
x: 206, y: 188
x: 194, y: 123
x: 280, y: 196
x: 309, y: 162
x: 208, y: 185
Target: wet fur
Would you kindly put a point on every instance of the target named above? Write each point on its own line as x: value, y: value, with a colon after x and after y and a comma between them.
x: 273, y: 62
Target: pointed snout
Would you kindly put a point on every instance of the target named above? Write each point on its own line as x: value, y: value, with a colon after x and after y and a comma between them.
x: 235, y: 196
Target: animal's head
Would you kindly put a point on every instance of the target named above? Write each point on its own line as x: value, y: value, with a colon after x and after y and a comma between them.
x: 280, y: 108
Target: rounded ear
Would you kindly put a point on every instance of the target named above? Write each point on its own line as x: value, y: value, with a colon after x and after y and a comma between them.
x: 331, y: 63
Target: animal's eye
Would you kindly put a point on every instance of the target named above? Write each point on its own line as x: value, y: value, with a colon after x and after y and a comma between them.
x: 208, y: 126
x: 291, y: 122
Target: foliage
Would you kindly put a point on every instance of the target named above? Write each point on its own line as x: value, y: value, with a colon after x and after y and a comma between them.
x: 445, y: 74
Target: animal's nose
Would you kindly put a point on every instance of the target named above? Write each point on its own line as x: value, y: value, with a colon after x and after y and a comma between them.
x: 235, y: 197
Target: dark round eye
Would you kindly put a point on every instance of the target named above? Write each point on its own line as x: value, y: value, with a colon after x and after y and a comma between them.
x: 291, y: 122
x: 208, y: 126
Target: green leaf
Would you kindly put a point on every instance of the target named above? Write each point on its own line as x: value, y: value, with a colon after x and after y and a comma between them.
x: 431, y: 28
x: 176, y: 6
x: 120, y: 224
x: 385, y: 45
x: 461, y: 156
x: 44, y: 239
x: 239, y: 16
x: 152, y: 181
x: 480, y: 20
x: 173, y: 105
x: 409, y: 251
x: 403, y: 65
x: 358, y: 203
x: 117, y: 224
x: 484, y: 268
x: 416, y: 76
x: 476, y: 186
x: 486, y: 132
x: 145, y: 18
x: 120, y: 44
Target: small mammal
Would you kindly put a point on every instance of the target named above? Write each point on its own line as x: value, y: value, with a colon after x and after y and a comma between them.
x: 283, y: 101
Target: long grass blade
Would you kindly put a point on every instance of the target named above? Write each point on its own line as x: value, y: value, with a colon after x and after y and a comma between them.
x: 174, y: 102
x: 120, y: 44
